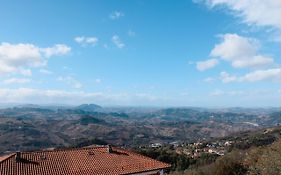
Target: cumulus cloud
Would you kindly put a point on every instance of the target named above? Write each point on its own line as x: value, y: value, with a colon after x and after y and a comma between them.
x: 226, y: 78
x: 86, y: 40
x: 20, y: 58
x: 204, y: 65
x: 258, y: 75
x: 117, y: 41
x: 25, y: 72
x: 253, y: 12
x: 16, y: 81
x: 58, y: 49
x: 116, y: 15
x: 242, y: 52
x: 70, y: 81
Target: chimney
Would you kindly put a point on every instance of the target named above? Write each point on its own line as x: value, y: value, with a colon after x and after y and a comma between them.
x: 109, y: 149
x: 18, y: 158
x: 43, y: 157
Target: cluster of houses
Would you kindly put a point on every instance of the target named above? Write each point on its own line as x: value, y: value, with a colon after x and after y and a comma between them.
x: 196, y: 149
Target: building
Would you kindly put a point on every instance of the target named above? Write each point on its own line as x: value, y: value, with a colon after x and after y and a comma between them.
x: 104, y: 160
x: 156, y: 145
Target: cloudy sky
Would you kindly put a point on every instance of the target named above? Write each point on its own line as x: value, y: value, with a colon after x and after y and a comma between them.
x: 205, y: 53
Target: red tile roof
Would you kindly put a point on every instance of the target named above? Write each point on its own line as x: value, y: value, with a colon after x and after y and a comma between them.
x: 82, y: 161
x: 5, y: 157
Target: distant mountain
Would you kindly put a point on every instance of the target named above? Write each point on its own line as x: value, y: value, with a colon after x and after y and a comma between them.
x: 89, y: 107
x: 43, y: 106
x: 28, y: 106
x: 29, y: 128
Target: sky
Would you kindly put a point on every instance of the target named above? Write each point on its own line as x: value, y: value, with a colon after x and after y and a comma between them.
x: 205, y: 53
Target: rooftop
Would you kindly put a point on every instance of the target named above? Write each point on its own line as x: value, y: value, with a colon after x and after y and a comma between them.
x: 81, y: 161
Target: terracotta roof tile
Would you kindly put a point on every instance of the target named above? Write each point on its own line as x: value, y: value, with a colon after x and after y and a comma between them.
x: 90, y: 161
x: 2, y: 158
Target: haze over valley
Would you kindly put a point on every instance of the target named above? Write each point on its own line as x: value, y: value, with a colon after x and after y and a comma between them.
x: 30, y: 127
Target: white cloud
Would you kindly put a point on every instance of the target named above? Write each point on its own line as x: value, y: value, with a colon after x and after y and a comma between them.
x: 255, y: 61
x: 242, y: 52
x: 116, y: 15
x: 208, y: 64
x: 45, y: 71
x: 39, y: 96
x: 117, y: 41
x: 28, y: 95
x: 234, y: 46
x: 16, y: 81
x: 79, y: 39
x: 70, y: 81
x: 226, y: 78
x: 86, y: 40
x: 25, y: 72
x: 58, y: 49
x: 258, y: 75
x: 15, y: 58
x: 253, y: 12
x: 19, y: 58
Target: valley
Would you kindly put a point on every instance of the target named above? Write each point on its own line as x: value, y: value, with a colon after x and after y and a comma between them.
x: 36, y: 127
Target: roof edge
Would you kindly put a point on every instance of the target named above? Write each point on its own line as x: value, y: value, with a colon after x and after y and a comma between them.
x: 3, y: 158
x: 165, y: 168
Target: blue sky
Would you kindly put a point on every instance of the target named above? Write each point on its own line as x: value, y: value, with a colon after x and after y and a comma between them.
x: 209, y: 53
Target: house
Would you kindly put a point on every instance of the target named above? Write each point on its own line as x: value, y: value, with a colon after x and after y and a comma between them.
x: 156, y: 145
x: 104, y: 160
x: 211, y: 151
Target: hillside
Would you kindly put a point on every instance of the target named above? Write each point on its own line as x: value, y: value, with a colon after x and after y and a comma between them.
x: 260, y: 154
x: 30, y: 128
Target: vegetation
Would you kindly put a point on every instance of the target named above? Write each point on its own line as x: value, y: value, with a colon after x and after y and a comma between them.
x: 84, y: 142
x: 34, y: 127
x: 86, y: 120
x: 29, y: 128
x: 251, y: 153
x: 179, y: 162
x: 254, y: 161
